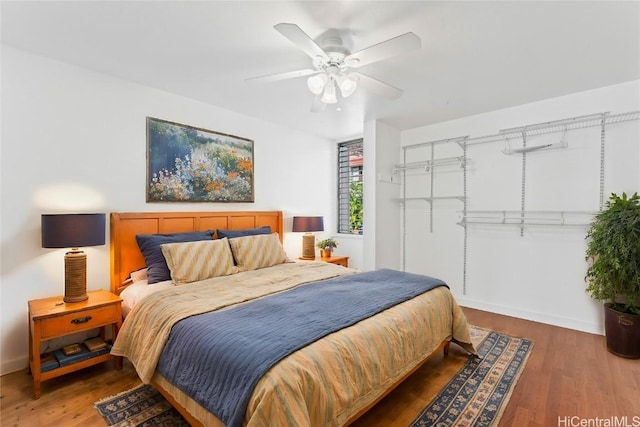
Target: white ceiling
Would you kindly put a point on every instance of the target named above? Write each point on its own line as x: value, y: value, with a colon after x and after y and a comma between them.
x: 476, y: 56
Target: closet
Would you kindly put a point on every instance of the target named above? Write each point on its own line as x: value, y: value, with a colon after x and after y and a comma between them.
x: 446, y: 171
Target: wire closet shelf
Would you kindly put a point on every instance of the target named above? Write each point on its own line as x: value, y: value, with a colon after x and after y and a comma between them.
x: 543, y: 128
x: 519, y: 218
x: 563, y: 125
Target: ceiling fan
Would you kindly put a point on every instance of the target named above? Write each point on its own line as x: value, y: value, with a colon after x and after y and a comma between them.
x: 333, y: 63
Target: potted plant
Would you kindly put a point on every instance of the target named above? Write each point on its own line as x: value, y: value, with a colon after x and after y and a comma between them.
x: 326, y: 247
x: 613, y: 274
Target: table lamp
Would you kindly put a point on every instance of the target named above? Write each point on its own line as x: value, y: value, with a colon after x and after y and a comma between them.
x: 307, y: 224
x: 73, y: 231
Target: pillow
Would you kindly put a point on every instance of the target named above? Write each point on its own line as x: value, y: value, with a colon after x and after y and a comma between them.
x: 258, y: 251
x: 232, y: 234
x: 149, y: 244
x: 193, y: 261
x: 139, y: 275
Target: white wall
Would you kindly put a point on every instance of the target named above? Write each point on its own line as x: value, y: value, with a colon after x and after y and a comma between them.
x: 74, y: 140
x: 539, y: 276
x: 381, y: 246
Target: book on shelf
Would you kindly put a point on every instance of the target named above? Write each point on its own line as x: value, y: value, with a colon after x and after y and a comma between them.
x: 71, y: 349
x: 96, y: 343
x: 84, y: 354
x: 48, y: 362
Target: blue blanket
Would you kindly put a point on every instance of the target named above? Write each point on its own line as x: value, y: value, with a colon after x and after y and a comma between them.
x: 217, y: 358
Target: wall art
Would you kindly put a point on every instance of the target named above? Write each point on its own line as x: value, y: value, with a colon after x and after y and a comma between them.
x: 189, y: 164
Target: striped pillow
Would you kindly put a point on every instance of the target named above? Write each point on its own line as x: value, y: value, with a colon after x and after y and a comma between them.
x: 198, y: 260
x: 258, y: 251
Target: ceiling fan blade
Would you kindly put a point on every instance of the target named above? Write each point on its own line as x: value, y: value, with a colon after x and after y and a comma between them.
x: 281, y: 76
x: 317, y: 106
x: 377, y: 87
x: 301, y: 39
x: 383, y: 50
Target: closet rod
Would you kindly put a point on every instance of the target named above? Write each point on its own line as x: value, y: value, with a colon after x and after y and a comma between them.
x: 431, y: 198
x: 526, y: 217
x: 427, y: 164
x: 525, y: 224
x: 457, y: 140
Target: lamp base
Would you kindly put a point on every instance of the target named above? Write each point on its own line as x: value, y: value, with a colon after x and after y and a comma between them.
x: 308, y: 246
x: 75, y: 276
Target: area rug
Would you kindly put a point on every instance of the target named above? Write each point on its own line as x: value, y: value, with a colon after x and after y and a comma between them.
x: 141, y: 406
x: 476, y: 396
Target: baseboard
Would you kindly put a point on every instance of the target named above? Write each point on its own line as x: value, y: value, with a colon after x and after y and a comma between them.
x: 15, y: 365
x: 578, y: 325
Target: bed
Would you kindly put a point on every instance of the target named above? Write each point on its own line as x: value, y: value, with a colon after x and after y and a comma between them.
x: 328, y: 378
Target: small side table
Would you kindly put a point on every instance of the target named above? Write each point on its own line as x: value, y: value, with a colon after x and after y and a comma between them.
x: 53, y: 318
x: 338, y: 260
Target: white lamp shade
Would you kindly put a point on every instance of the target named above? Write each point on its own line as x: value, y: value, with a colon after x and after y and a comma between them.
x: 316, y: 83
x: 329, y: 94
x: 347, y: 85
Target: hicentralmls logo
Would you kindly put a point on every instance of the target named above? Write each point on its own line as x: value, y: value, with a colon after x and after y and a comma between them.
x: 614, y: 421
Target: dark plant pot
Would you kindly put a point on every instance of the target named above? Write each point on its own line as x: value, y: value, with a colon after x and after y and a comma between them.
x: 622, y: 331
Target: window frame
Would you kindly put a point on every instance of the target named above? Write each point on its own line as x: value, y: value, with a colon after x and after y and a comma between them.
x: 350, y: 160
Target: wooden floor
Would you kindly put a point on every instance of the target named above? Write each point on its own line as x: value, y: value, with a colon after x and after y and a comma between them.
x: 569, y: 374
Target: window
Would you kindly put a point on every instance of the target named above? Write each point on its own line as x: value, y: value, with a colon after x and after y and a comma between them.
x: 350, y: 162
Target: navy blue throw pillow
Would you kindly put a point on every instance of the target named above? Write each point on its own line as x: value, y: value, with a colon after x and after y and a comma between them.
x: 149, y: 244
x: 230, y: 234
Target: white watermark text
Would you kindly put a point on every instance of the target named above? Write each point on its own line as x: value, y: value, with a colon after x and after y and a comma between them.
x: 613, y: 421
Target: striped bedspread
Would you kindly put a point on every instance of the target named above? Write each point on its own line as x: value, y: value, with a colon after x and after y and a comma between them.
x: 327, y: 382
x: 217, y: 358
x: 146, y: 328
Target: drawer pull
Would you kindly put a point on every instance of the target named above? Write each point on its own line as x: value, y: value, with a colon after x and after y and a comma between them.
x: 79, y: 320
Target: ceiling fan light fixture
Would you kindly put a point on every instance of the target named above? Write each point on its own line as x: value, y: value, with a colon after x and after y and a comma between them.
x: 329, y: 94
x: 332, y: 60
x: 316, y: 83
x: 347, y: 85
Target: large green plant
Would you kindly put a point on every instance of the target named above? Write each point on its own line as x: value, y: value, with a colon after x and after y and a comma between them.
x: 613, y: 252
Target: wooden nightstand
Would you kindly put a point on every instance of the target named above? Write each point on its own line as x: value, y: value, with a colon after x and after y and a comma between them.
x: 52, y: 318
x: 338, y: 260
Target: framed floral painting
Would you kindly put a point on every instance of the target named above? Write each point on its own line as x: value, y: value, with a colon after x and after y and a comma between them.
x: 189, y: 164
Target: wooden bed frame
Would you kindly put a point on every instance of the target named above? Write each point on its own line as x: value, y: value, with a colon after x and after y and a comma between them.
x: 126, y: 257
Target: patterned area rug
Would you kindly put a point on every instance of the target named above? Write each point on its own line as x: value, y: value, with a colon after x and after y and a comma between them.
x: 142, y: 406
x: 476, y: 396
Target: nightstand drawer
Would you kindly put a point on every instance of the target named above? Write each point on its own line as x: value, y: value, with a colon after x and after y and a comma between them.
x: 78, y: 321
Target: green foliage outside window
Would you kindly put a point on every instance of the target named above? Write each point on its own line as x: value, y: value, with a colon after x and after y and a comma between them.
x: 355, y: 206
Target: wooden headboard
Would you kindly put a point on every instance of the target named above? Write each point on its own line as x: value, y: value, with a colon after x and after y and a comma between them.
x: 126, y: 256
